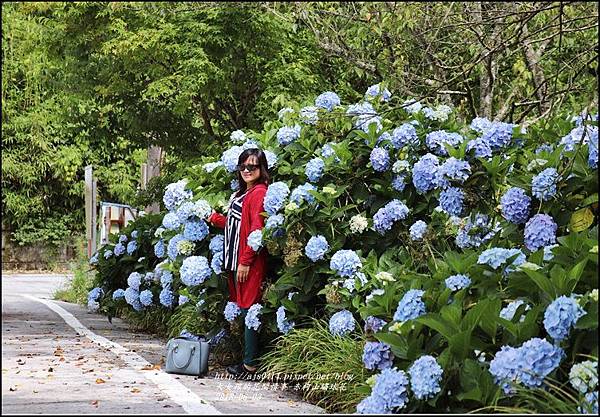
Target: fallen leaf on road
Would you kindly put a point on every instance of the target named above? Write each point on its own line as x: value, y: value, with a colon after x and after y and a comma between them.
x: 51, y: 369
x: 89, y: 370
x: 12, y: 389
x: 59, y: 351
x: 62, y: 359
x: 35, y: 391
x: 95, y: 402
x: 151, y: 367
x: 80, y: 358
x: 20, y: 362
x: 100, y: 381
x: 136, y: 390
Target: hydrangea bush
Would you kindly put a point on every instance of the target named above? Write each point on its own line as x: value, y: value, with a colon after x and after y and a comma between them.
x: 467, y: 254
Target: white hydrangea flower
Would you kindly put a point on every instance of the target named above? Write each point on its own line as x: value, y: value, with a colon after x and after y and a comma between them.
x: 358, y: 224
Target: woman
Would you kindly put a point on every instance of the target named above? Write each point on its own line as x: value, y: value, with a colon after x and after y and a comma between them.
x: 246, y: 268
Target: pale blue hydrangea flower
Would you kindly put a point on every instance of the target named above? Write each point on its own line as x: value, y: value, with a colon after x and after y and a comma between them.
x: 134, y: 280
x: 184, y: 211
x: 149, y: 277
x: 380, y: 159
x: 95, y: 293
x: 234, y: 184
x: 108, y: 253
x: 314, y: 169
x: 271, y: 158
x: 255, y: 240
x: 287, y: 135
x: 580, y: 134
x: 211, y: 166
x: 539, y: 358
x: 316, y: 248
x: 216, y: 244
x: 480, y: 124
x: 231, y: 156
x: 440, y: 113
x: 131, y: 295
x: 327, y: 100
x: 494, y: 257
x: 424, y: 173
x: 171, y: 221
x: 515, y: 205
x: 385, y: 217
x: 561, y: 315
x: 505, y: 368
x: 482, y: 148
x: 544, y: 147
x: 548, y: 254
x: 195, y: 270
x: 122, y: 238
x: 508, y: 312
x: 94, y: 259
x: 412, y: 106
x: 166, y: 278
x: 175, y: 194
x: 183, y: 299
x: 252, y: 320
x: 232, y: 310
x: 404, y: 135
x: 283, y: 325
x: 451, y: 201
x: 131, y: 247
x: 584, y: 376
x: 457, y: 282
x: 374, y: 91
x: 435, y: 141
x: 309, y: 115
x: 498, y: 135
x: 172, y: 246
x: 410, y: 306
x: 593, y: 153
x: 398, y: 183
x: 390, y: 392
x: 543, y: 185
x: 589, y: 404
x: 159, y: 249
x: 452, y: 170
x: 118, y: 294
x: 540, y: 231
x: 345, y: 263
x: 301, y: 193
x: 374, y: 324
x: 146, y: 298
x: 377, y: 355
x: 418, y: 230
x: 273, y: 222
x: 119, y: 249
x: 275, y: 197
x: 216, y: 263
x: 327, y: 152
x: 476, y: 231
x: 425, y: 377
x: 366, y: 116
x: 349, y: 284
x: 195, y: 230
x: 341, y: 323
x: 237, y: 136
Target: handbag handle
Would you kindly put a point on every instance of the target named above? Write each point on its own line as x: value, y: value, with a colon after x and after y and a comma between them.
x: 188, y: 360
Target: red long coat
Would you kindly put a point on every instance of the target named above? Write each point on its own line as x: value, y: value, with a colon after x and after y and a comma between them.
x: 249, y: 291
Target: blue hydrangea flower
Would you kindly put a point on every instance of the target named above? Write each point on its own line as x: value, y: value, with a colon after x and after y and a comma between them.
x: 234, y: 184
x: 171, y: 221
x: 94, y: 259
x: 216, y: 263
x: 118, y: 294
x: 435, y: 141
x: 580, y: 134
x: 183, y: 299
x: 211, y: 166
x: 515, y: 205
x: 494, y: 257
x: 149, y: 276
x: 374, y: 324
x: 424, y: 173
x: 398, y: 183
x: 95, y: 293
x: 122, y: 238
x: 457, y: 282
x: 508, y: 312
x: 175, y: 194
x: 314, y: 169
x: 385, y: 217
x: 380, y: 159
x: 404, y: 135
x: 505, y: 368
x: 195, y: 230
x: 316, y: 248
x: 273, y: 222
x: 589, y: 405
x: 584, y: 376
x: 543, y: 185
x: 377, y: 355
x: 166, y: 278
x: 195, y: 270
x: 593, y: 159
x: 480, y: 124
x: 237, y: 136
x: 372, y: 405
x: 561, y: 315
x: 146, y: 298
x: 538, y: 359
x: 451, y: 201
x: 134, y: 280
x: 345, y: 263
x: 425, y: 377
x: 540, y: 231
x: 231, y: 156
x: 287, y: 134
x: 366, y: 116
x: 300, y: 194
x: 232, y: 310
x: 309, y: 115
x: 131, y: 247
x: 159, y: 249
x: 172, y: 246
x: 119, y: 249
x: 341, y: 323
x: 327, y: 100
x: 410, y: 306
x: 255, y: 240
x: 184, y: 211
x: 498, y: 135
x: 452, y: 170
x: 283, y: 325
x: 132, y: 295
x: 216, y: 244
x: 252, y: 320
x: 108, y: 253
x: 482, y: 148
x: 412, y: 106
x: 275, y: 197
x: 418, y: 230
x: 476, y: 231
x: 327, y: 151
x: 544, y: 147
x: 391, y: 389
x: 374, y: 91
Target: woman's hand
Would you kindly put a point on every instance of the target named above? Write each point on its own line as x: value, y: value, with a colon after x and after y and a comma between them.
x: 242, y: 272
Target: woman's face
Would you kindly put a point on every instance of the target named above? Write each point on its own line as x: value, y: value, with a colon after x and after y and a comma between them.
x: 250, y: 170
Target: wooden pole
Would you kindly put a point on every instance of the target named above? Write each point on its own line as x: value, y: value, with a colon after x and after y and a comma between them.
x: 89, y: 201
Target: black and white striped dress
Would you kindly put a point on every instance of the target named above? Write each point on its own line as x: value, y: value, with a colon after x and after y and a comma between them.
x: 232, y: 233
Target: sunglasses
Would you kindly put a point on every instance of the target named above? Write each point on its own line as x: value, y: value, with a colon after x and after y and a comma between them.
x: 249, y: 167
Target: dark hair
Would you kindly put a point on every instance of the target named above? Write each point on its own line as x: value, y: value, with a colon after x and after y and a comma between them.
x: 262, y: 164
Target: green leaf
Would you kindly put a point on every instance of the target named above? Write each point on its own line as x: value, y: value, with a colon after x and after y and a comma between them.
x: 542, y: 282
x: 439, y: 324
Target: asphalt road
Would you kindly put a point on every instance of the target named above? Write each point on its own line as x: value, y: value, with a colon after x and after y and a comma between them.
x: 57, y: 358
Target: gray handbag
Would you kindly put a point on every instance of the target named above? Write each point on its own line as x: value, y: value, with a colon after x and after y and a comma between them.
x: 187, y: 356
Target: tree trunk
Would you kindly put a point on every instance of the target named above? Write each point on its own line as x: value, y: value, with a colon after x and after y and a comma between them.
x: 155, y: 160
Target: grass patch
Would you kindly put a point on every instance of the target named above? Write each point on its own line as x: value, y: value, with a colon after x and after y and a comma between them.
x: 77, y: 289
x: 315, y: 351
